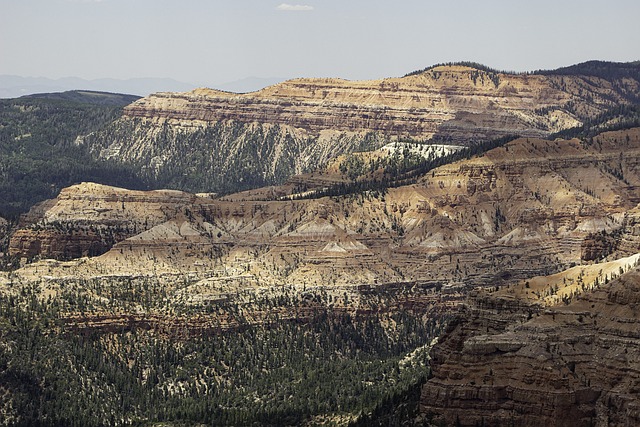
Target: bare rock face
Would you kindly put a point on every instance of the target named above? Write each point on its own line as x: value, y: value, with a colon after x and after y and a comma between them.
x: 521, y: 210
x: 207, y: 140
x: 471, y: 101
x: 505, y: 362
x: 88, y: 219
x: 61, y: 244
x: 598, y: 245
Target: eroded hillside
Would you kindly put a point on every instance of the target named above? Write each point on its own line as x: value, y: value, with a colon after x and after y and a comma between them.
x: 508, y: 361
x: 531, y: 207
x: 361, y: 283
x: 207, y: 140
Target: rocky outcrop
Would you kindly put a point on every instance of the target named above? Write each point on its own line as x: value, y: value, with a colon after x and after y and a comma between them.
x: 207, y: 140
x: 521, y: 210
x: 200, y: 265
x: 62, y: 244
x: 88, y: 219
x: 598, y: 246
x: 414, y: 106
x: 505, y: 362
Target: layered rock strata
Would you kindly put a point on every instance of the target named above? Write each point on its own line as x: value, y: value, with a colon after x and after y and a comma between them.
x: 207, y: 140
x: 413, y: 106
x: 505, y: 362
x: 88, y: 219
x: 521, y: 210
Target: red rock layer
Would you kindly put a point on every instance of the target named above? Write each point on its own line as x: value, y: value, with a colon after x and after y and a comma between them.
x: 504, y: 363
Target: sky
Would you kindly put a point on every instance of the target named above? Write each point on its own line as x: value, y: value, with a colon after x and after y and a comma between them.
x: 208, y: 42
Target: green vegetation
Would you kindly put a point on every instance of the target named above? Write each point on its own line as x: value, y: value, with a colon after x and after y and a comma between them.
x: 614, y: 72
x: 603, y: 69
x: 618, y: 118
x: 38, y: 154
x: 356, y: 168
x: 400, y: 170
x: 223, y: 157
x: 87, y: 97
x: 469, y: 64
x: 400, y: 410
x: 333, y: 366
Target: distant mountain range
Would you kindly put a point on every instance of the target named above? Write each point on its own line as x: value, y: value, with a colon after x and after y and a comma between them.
x: 17, y: 86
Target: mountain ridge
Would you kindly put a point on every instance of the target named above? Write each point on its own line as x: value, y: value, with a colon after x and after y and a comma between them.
x: 317, y: 299
x: 12, y: 86
x: 87, y: 96
x: 208, y: 141
x: 591, y: 67
x: 299, y: 124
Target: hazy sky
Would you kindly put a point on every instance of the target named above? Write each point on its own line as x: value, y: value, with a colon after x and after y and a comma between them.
x: 215, y: 41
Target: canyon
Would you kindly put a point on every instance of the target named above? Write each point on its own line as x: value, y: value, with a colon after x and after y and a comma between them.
x: 528, y: 192
x: 348, y: 241
x: 522, y: 249
x: 531, y: 207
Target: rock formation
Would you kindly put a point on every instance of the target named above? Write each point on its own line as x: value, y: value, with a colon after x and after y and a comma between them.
x: 207, y: 140
x: 521, y: 210
x: 195, y: 295
x: 180, y: 265
x: 528, y: 208
x: 507, y: 362
x: 414, y: 106
x: 87, y: 219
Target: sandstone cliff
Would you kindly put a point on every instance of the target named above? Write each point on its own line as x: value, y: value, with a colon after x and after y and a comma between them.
x: 87, y: 219
x: 183, y: 265
x: 198, y: 299
x: 528, y: 208
x: 505, y: 362
x: 207, y: 140
x: 415, y: 106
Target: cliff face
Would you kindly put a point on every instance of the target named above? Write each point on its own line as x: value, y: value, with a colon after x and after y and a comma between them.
x: 87, y: 219
x: 184, y: 265
x: 207, y: 140
x: 412, y: 107
x: 530, y: 207
x: 569, y: 365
